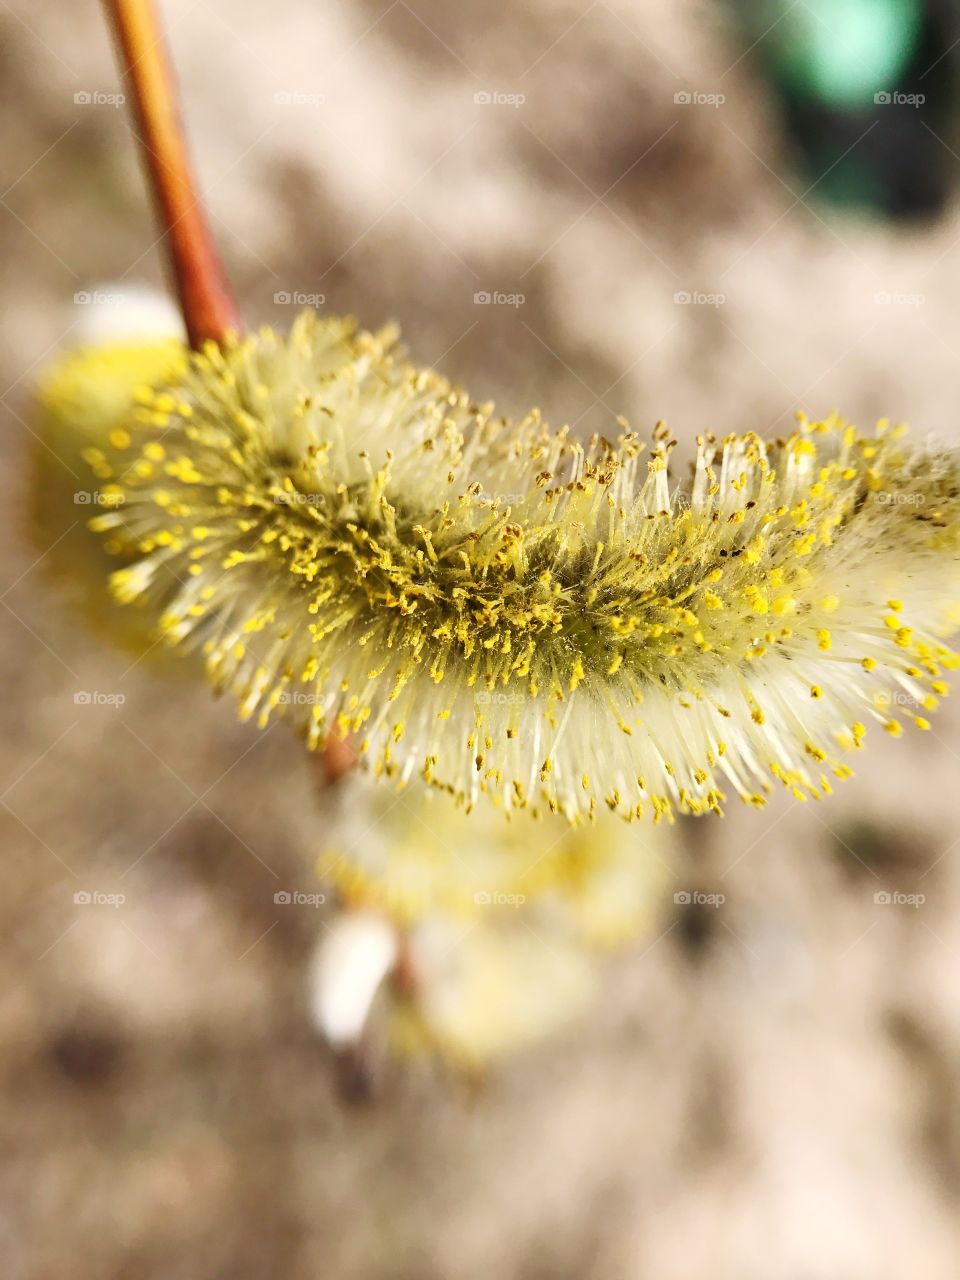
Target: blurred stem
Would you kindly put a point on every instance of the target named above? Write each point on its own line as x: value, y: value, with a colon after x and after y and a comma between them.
x: 209, y: 310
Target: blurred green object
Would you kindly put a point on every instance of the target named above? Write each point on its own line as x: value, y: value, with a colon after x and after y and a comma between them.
x: 867, y: 91
x: 845, y: 51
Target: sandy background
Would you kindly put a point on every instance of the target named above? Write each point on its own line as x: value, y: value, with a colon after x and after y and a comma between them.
x: 768, y: 1091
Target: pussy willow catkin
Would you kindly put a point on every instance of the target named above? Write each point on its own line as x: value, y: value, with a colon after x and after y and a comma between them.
x: 85, y: 396
x: 502, y: 924
x: 505, y: 611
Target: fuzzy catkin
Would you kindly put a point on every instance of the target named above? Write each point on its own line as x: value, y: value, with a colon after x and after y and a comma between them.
x: 85, y: 397
x: 506, y: 612
x: 502, y: 925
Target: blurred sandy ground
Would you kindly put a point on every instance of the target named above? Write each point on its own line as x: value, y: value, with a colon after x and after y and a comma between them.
x: 769, y: 1090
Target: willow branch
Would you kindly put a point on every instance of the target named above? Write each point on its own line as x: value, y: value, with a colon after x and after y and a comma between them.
x: 207, y: 302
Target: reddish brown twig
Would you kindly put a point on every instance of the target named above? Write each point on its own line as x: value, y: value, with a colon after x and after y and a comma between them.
x: 206, y: 300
